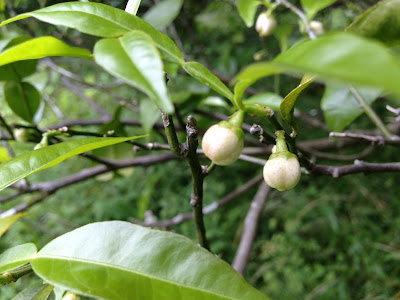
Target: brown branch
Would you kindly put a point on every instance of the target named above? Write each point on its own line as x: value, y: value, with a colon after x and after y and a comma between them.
x: 379, y: 140
x: 250, y: 228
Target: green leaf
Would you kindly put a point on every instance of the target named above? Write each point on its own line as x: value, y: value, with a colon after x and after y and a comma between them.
x: 101, y: 20
x: 119, y: 260
x: 149, y: 114
x: 288, y: 104
x: 37, y: 160
x: 23, y: 98
x: 247, y: 10
x: 4, y: 156
x: 202, y: 74
x: 163, y: 13
x: 268, y: 99
x: 135, y: 59
x: 312, y: 7
x: 341, y: 108
x: 338, y: 56
x: 35, y: 293
x: 6, y: 222
x: 39, y: 48
x: 380, y: 22
x: 239, y: 89
x: 16, y: 256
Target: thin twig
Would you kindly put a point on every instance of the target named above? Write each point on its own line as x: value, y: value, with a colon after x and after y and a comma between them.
x: 378, y: 140
x: 250, y: 228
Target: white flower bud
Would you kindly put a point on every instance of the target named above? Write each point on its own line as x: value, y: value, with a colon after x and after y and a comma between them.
x: 20, y: 134
x: 223, y: 143
x: 265, y: 24
x: 71, y: 296
x: 317, y: 27
x: 282, y: 173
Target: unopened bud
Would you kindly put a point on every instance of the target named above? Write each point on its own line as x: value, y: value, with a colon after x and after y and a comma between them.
x: 317, y: 27
x: 265, y: 24
x: 20, y: 134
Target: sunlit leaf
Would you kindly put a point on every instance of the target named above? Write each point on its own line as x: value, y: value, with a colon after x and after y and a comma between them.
x: 16, y: 256
x: 163, y: 13
x: 6, y: 222
x: 312, y: 7
x: 247, y: 10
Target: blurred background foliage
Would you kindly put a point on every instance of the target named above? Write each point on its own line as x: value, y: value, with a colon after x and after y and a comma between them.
x: 326, y: 239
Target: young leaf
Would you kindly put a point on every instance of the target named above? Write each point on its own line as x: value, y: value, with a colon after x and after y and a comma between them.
x: 380, y: 22
x: 23, y: 98
x: 35, y: 293
x: 4, y: 155
x: 101, y: 20
x: 341, y: 108
x: 125, y: 261
x: 16, y: 256
x: 313, y: 6
x: 37, y: 160
x: 135, y: 59
x: 265, y: 99
x: 288, y: 104
x: 6, y: 222
x: 202, y: 74
x: 247, y: 10
x: 39, y: 48
x: 163, y: 13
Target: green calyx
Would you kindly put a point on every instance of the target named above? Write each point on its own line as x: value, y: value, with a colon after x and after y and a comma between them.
x: 281, y: 147
x: 235, y: 123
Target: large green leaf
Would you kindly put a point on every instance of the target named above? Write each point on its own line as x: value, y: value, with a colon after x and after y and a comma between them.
x: 37, y: 160
x: 119, y: 260
x: 205, y: 76
x: 39, y: 48
x: 341, y: 108
x: 16, y: 256
x: 381, y: 22
x: 288, y: 104
x: 313, y: 6
x: 6, y: 222
x: 35, y: 293
x: 135, y: 59
x: 163, y: 13
x: 101, y: 20
x: 247, y: 10
x: 23, y: 98
x: 339, y: 56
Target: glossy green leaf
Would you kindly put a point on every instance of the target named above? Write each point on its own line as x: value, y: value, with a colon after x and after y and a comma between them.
x: 202, y: 74
x: 39, y: 48
x: 312, y: 7
x: 35, y: 293
x: 240, y: 88
x: 268, y: 99
x: 163, y: 13
x: 23, y: 98
x: 19, y: 69
x: 6, y: 222
x: 338, y: 56
x: 101, y: 20
x: 126, y: 261
x: 288, y: 104
x: 247, y: 10
x: 341, y: 108
x: 380, y: 22
x: 37, y: 160
x: 135, y: 59
x: 16, y: 256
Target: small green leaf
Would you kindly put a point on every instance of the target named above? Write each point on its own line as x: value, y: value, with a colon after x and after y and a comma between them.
x: 247, y: 10
x: 312, y: 7
x: 101, y: 20
x: 4, y: 156
x: 23, y: 98
x: 341, y: 108
x: 202, y: 74
x: 268, y: 99
x: 120, y: 260
x: 380, y: 22
x: 6, y: 222
x: 16, y: 256
x: 39, y: 48
x: 37, y: 160
x: 135, y: 59
x: 288, y: 104
x: 163, y: 13
x: 35, y: 293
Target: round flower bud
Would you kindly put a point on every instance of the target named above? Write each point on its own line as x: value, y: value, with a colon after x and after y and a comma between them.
x: 223, y: 143
x: 265, y: 24
x: 282, y: 170
x: 71, y: 296
x: 317, y: 27
x: 20, y: 134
